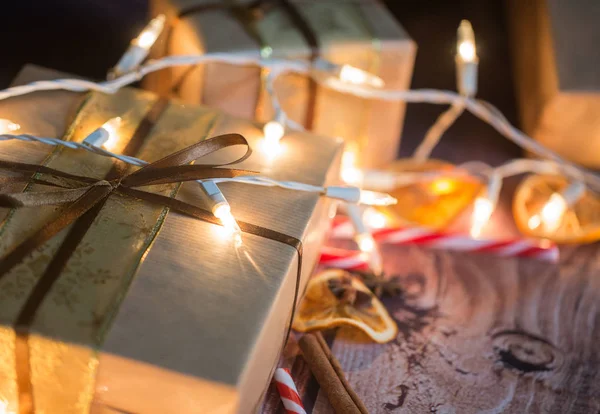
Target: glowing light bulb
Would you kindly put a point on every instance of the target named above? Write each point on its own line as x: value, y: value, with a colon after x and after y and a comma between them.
x: 374, y: 219
x: 107, y: 135
x: 139, y: 48
x: 466, y: 60
x: 553, y: 212
x: 373, y: 198
x: 467, y: 50
x: 350, y: 174
x: 4, y: 407
x: 534, y: 222
x: 223, y: 213
x: 274, y: 130
x: 6, y: 127
x: 148, y: 36
x: 112, y: 128
x: 442, y: 186
x: 482, y: 211
x: 356, y: 76
x: 366, y: 242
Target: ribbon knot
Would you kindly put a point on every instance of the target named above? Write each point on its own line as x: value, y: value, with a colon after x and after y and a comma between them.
x: 80, y: 193
x: 113, y: 184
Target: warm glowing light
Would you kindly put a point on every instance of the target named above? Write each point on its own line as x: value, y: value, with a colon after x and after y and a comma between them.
x: 553, y: 212
x: 373, y: 198
x: 467, y: 50
x: 442, y: 186
x: 270, y: 145
x: 356, y: 76
x: 374, y: 219
x: 112, y: 129
x: 534, y: 222
x: 350, y: 174
x: 6, y: 127
x: 4, y: 407
x: 223, y: 213
x: 150, y: 33
x: 139, y: 48
x: 270, y: 149
x: 366, y: 242
x: 274, y: 131
x: 482, y: 211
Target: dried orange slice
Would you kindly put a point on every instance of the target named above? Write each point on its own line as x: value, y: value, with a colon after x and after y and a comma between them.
x: 433, y: 203
x: 334, y: 298
x: 579, y: 224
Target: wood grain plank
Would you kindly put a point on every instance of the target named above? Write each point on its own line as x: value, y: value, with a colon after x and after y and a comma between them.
x: 481, y: 334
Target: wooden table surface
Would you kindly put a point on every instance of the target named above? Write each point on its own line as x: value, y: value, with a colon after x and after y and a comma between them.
x: 477, y: 334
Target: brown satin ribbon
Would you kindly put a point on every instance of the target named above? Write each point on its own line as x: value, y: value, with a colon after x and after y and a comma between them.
x: 84, y: 196
x: 250, y: 13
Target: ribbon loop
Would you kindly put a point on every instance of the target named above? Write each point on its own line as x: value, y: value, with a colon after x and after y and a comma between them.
x: 181, y: 173
x: 202, y: 149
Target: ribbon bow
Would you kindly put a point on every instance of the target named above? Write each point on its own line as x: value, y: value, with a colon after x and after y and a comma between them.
x: 81, y: 194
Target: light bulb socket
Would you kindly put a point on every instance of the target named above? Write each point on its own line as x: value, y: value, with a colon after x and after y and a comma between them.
x: 130, y: 61
x: 348, y: 194
x: 97, y: 138
x: 466, y: 77
x: 323, y: 65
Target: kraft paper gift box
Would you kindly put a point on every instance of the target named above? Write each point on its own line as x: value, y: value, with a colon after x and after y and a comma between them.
x: 153, y: 311
x: 554, y: 46
x: 361, y: 33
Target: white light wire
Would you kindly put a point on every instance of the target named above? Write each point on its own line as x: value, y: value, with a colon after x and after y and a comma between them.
x: 434, y: 134
x: 483, y: 110
x: 348, y: 194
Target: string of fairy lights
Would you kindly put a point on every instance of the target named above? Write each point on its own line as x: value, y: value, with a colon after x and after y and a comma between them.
x: 133, y: 66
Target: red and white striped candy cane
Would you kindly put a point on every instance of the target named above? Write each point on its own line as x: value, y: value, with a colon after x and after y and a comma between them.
x: 344, y: 259
x: 538, y: 249
x: 288, y: 392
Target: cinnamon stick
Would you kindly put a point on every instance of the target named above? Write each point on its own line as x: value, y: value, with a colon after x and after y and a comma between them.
x: 328, y: 372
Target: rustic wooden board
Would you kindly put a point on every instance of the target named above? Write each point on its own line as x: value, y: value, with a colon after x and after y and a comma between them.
x: 478, y: 334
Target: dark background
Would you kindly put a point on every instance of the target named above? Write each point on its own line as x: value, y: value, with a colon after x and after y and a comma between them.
x: 85, y: 37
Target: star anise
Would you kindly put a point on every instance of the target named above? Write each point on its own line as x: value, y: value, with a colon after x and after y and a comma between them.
x: 345, y: 293
x: 380, y: 285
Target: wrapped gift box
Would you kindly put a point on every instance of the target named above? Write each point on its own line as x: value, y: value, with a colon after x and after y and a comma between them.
x: 554, y: 47
x: 153, y: 312
x: 361, y: 33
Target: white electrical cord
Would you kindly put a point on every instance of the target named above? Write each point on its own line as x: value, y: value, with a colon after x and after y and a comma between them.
x: 348, y: 194
x: 481, y: 109
x: 434, y: 134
